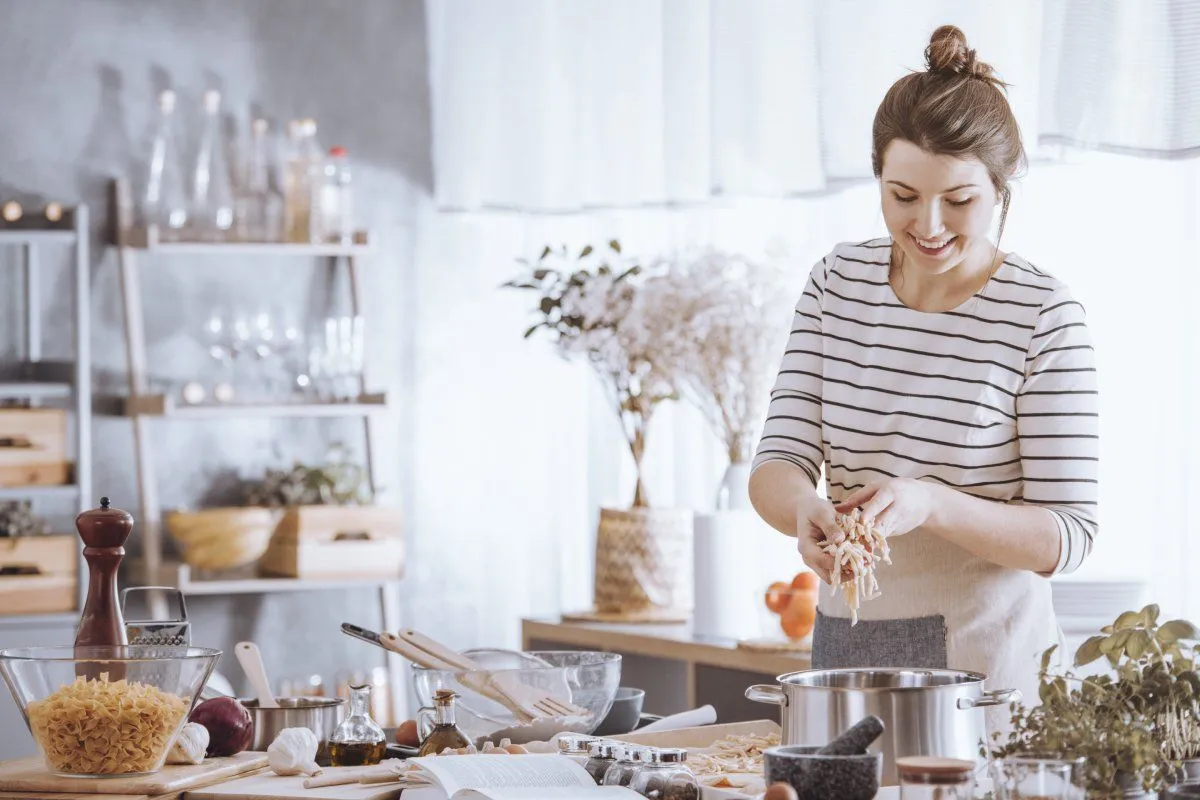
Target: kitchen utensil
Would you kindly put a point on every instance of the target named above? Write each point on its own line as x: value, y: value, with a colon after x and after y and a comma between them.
x: 172, y: 632
x: 36, y: 674
x: 694, y: 718
x: 924, y: 711
x: 820, y: 777
x: 856, y: 740
x: 104, y: 531
x: 29, y: 775
x: 250, y: 658
x: 533, y: 701
x: 268, y: 786
x: 594, y: 678
x: 625, y: 712
x: 320, y: 715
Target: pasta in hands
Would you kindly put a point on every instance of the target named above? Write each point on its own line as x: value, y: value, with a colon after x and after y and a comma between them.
x: 854, y: 560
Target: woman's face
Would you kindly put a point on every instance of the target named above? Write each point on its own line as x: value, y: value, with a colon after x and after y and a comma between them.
x: 937, y: 208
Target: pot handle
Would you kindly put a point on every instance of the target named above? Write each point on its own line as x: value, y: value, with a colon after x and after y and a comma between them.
x: 762, y: 693
x: 996, y: 697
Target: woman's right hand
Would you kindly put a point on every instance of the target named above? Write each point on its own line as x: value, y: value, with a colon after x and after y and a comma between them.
x: 816, y: 526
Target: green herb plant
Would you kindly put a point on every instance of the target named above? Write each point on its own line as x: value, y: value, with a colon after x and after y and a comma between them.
x: 338, y: 482
x: 1133, y: 725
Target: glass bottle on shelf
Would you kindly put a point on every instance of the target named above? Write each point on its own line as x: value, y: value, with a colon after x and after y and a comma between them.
x: 358, y: 740
x: 301, y: 182
x: 337, y: 201
x: 212, y: 192
x: 436, y: 726
x: 259, y: 206
x: 164, y: 204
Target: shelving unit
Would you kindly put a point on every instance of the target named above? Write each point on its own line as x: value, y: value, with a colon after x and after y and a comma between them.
x: 38, y: 381
x: 146, y: 408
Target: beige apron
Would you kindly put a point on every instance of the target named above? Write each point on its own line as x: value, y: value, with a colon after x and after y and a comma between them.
x: 942, y: 607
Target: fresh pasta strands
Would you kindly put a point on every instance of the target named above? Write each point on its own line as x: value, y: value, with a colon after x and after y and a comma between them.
x: 854, y: 560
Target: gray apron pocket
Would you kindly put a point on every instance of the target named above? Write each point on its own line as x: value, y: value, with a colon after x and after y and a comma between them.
x: 916, y: 642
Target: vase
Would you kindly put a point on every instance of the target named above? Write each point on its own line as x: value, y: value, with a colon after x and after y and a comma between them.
x: 643, y: 560
x: 733, y: 494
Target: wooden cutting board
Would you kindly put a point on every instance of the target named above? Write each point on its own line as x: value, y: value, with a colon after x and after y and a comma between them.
x: 30, y: 775
x: 269, y: 786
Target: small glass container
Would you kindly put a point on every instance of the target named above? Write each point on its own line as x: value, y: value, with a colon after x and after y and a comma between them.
x: 357, y: 741
x: 602, y: 756
x: 1041, y: 775
x: 437, y: 727
x: 664, y: 776
x: 935, y: 778
x: 628, y: 762
x: 576, y: 745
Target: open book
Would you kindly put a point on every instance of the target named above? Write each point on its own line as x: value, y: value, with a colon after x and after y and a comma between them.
x: 520, y: 777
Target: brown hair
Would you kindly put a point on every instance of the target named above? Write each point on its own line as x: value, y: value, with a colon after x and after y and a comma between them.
x: 956, y: 107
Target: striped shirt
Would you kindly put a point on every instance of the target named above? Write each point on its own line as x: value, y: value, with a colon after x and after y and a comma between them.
x: 996, y: 398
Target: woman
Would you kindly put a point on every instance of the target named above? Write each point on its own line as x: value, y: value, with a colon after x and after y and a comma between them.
x: 949, y: 389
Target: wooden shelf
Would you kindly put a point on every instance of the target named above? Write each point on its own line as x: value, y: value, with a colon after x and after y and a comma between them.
x: 143, y: 239
x: 245, y: 582
x: 160, y: 405
x: 38, y: 492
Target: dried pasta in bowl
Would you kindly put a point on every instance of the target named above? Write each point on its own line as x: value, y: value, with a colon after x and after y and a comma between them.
x: 855, y: 558
x: 102, y: 727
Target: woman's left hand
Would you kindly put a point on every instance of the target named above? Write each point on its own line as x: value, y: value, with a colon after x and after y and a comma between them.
x: 898, y: 505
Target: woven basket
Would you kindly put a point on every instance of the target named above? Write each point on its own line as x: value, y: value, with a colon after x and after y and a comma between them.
x: 222, y: 538
x: 643, y: 560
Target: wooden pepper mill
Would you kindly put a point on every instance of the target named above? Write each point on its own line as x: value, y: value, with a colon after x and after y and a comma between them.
x: 104, y: 531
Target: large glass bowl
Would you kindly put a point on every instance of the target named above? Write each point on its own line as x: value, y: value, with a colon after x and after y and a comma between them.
x: 588, y: 679
x: 106, y: 711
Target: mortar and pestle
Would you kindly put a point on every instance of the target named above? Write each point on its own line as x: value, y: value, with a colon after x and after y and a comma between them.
x: 842, y: 769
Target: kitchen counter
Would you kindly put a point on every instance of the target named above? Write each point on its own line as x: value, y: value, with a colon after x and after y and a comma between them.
x: 678, y: 669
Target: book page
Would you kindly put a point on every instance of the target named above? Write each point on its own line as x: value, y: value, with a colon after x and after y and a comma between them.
x: 453, y: 773
x: 552, y: 793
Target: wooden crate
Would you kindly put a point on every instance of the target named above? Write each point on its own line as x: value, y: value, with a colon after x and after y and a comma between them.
x: 33, y: 447
x: 53, y: 589
x: 336, y: 542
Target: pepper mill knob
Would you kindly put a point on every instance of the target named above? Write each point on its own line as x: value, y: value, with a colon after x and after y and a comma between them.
x: 104, y: 531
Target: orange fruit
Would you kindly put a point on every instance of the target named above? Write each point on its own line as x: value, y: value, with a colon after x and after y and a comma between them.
x: 779, y: 594
x: 798, y: 619
x: 806, y: 581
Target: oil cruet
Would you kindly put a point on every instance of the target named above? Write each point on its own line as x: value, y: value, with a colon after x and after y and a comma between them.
x: 436, y: 726
x: 358, y: 740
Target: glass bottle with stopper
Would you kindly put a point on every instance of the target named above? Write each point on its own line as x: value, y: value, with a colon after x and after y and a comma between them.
x: 436, y: 726
x: 357, y: 741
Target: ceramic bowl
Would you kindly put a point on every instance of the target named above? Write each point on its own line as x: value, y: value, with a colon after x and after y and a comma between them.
x: 625, y: 713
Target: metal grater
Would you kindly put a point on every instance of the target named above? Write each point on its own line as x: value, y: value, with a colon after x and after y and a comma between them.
x: 164, y: 637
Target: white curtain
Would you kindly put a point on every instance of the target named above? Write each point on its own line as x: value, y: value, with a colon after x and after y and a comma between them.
x: 745, y: 124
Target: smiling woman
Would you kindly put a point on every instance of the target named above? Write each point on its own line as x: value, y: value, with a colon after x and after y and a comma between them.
x: 948, y: 391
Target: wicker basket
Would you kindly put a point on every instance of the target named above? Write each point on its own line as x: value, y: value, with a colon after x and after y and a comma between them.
x: 643, y: 560
x: 222, y: 538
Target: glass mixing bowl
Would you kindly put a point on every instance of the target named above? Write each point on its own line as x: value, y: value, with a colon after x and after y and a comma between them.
x: 106, y: 711
x: 588, y: 679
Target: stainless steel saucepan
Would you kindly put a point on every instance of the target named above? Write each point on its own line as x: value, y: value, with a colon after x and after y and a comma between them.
x: 928, y: 712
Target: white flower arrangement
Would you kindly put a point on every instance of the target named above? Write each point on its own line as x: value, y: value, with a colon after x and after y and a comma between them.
x: 731, y: 314
x: 602, y: 306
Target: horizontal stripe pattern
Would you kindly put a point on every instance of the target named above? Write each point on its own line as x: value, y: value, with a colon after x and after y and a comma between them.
x: 997, y: 398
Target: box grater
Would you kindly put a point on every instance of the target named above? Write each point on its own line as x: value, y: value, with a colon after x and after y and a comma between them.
x: 158, y: 632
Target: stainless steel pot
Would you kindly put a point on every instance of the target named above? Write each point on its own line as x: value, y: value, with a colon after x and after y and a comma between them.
x: 925, y: 712
x: 320, y: 715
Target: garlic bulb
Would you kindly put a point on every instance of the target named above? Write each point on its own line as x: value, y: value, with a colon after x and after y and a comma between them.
x: 190, y: 745
x: 294, y: 752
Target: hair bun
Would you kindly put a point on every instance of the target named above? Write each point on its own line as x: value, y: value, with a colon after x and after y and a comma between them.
x: 948, y: 53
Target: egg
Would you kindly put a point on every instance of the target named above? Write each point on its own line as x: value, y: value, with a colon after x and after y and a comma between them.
x: 406, y: 734
x: 780, y: 791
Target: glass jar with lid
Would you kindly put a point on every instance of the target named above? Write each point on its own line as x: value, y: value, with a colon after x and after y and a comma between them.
x: 576, y: 745
x: 603, y: 754
x: 664, y: 776
x: 935, y: 778
x: 628, y: 761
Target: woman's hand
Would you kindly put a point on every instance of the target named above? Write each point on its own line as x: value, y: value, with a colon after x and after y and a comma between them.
x: 897, y: 505
x: 816, y: 526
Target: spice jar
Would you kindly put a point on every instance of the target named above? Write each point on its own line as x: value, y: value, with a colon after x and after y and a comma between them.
x: 358, y: 740
x: 935, y: 778
x: 628, y: 761
x: 664, y: 776
x: 576, y: 745
x: 602, y: 756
